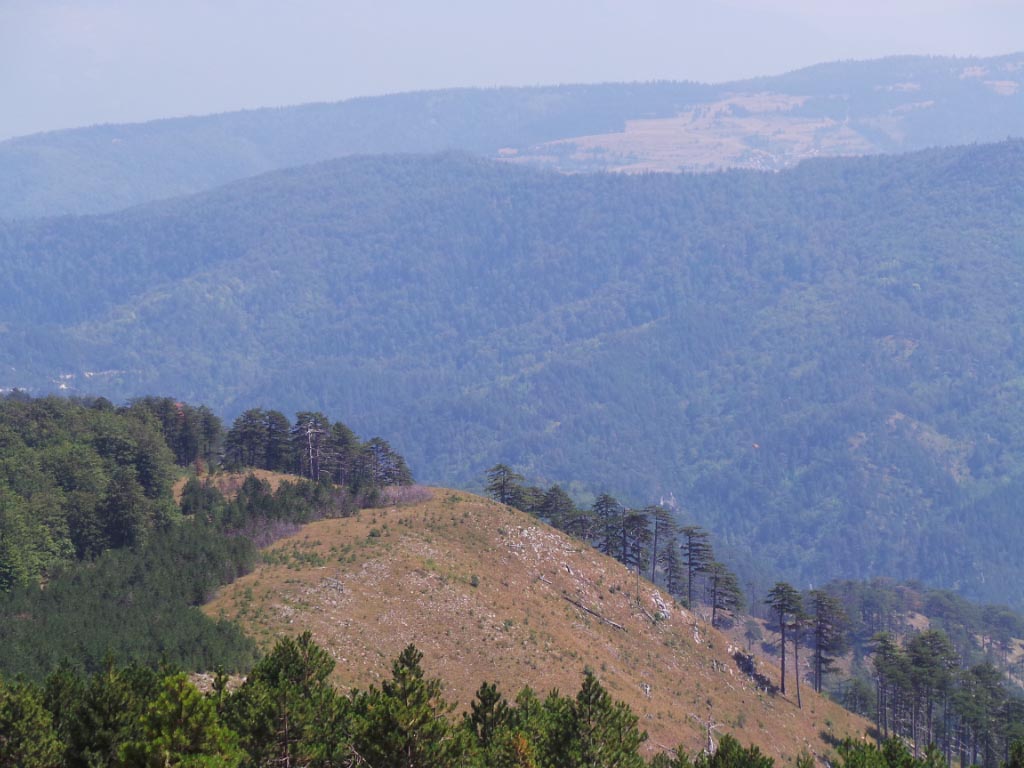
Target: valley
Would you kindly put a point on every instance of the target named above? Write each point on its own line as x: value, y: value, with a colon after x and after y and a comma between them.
x: 692, y: 413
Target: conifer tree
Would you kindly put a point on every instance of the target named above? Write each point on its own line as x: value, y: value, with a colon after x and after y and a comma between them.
x: 672, y: 567
x: 379, y: 465
x: 889, y: 664
x: 608, y: 524
x: 557, y: 507
x: 635, y: 535
x: 181, y: 727
x: 311, y: 444
x: 828, y: 633
x: 277, y: 448
x: 28, y: 738
x: 605, y: 733
x: 785, y: 601
x: 697, y: 555
x: 663, y: 529
x: 245, y: 443
x: 726, y: 594
x: 503, y: 485
x: 404, y: 723
x: 489, y: 713
x: 275, y: 711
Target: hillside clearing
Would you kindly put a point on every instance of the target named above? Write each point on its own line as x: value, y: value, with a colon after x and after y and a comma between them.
x: 490, y: 594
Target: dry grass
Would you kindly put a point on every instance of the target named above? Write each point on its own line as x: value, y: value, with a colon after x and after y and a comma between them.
x: 228, y: 483
x: 487, y: 593
x: 743, y: 131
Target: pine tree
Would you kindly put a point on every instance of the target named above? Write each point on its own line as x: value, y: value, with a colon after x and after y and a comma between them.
x: 785, y: 601
x: 606, y: 733
x: 108, y: 715
x: 28, y: 738
x: 890, y: 666
x: 662, y: 534
x: 181, y: 727
x: 828, y: 633
x: 635, y: 534
x: 608, y: 524
x: 503, y: 485
x: 311, y: 444
x: 557, y: 507
x: 275, y: 711
x: 277, y: 451
x: 932, y: 661
x: 697, y: 555
x: 672, y: 567
x: 245, y: 443
x: 404, y: 723
x: 726, y: 594
x: 489, y: 713
x: 380, y: 466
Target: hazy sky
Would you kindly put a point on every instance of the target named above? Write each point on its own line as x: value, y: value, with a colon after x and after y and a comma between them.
x: 67, y: 63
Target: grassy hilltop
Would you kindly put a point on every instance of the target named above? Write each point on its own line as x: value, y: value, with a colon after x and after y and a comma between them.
x: 488, y: 593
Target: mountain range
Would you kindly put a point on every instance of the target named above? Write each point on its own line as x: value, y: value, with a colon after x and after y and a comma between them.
x: 890, y: 105
x: 820, y: 365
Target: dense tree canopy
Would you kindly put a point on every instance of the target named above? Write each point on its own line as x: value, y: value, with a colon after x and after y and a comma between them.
x: 792, y: 355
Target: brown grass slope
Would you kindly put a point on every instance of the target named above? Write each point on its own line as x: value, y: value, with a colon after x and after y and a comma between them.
x: 229, y: 483
x: 490, y: 594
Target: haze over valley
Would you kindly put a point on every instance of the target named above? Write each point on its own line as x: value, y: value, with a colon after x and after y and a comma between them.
x: 700, y: 396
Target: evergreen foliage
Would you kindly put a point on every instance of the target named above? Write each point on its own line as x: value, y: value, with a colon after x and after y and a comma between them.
x: 86, y: 504
x: 645, y: 540
x: 137, y: 603
x: 76, y: 478
x: 108, y: 167
x: 794, y: 354
x: 286, y: 713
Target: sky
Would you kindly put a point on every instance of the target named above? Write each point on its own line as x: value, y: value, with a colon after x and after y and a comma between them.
x: 70, y: 63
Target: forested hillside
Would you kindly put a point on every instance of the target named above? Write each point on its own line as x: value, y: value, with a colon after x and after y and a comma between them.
x: 926, y: 665
x: 823, y: 365
x: 484, y: 589
x: 891, y: 105
x: 98, y: 558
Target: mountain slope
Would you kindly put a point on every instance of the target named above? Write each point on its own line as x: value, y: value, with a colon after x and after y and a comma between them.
x: 890, y: 105
x: 488, y: 593
x: 822, y: 365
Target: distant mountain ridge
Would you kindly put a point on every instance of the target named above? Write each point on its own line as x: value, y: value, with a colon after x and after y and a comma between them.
x: 889, y: 105
x: 822, y: 365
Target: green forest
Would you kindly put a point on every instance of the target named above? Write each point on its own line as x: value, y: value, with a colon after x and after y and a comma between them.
x: 822, y: 366
x: 287, y: 713
x: 110, y: 167
x: 95, y: 640
x: 86, y: 512
x: 786, y: 402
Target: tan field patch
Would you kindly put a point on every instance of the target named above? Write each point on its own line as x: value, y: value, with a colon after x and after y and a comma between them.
x: 743, y: 131
x: 228, y: 483
x: 489, y: 594
x: 1003, y: 87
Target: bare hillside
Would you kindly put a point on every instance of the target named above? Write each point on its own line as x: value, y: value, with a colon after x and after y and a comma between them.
x: 489, y: 594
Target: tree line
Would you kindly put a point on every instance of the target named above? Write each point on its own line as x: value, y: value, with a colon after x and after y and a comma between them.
x: 79, y: 477
x: 313, y: 447
x: 962, y: 696
x: 518, y: 320
x: 286, y: 713
x: 141, y: 603
x: 649, y: 541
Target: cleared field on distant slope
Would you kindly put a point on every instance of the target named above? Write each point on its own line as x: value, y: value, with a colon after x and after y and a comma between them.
x: 490, y: 594
x: 889, y: 105
x: 829, y: 356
